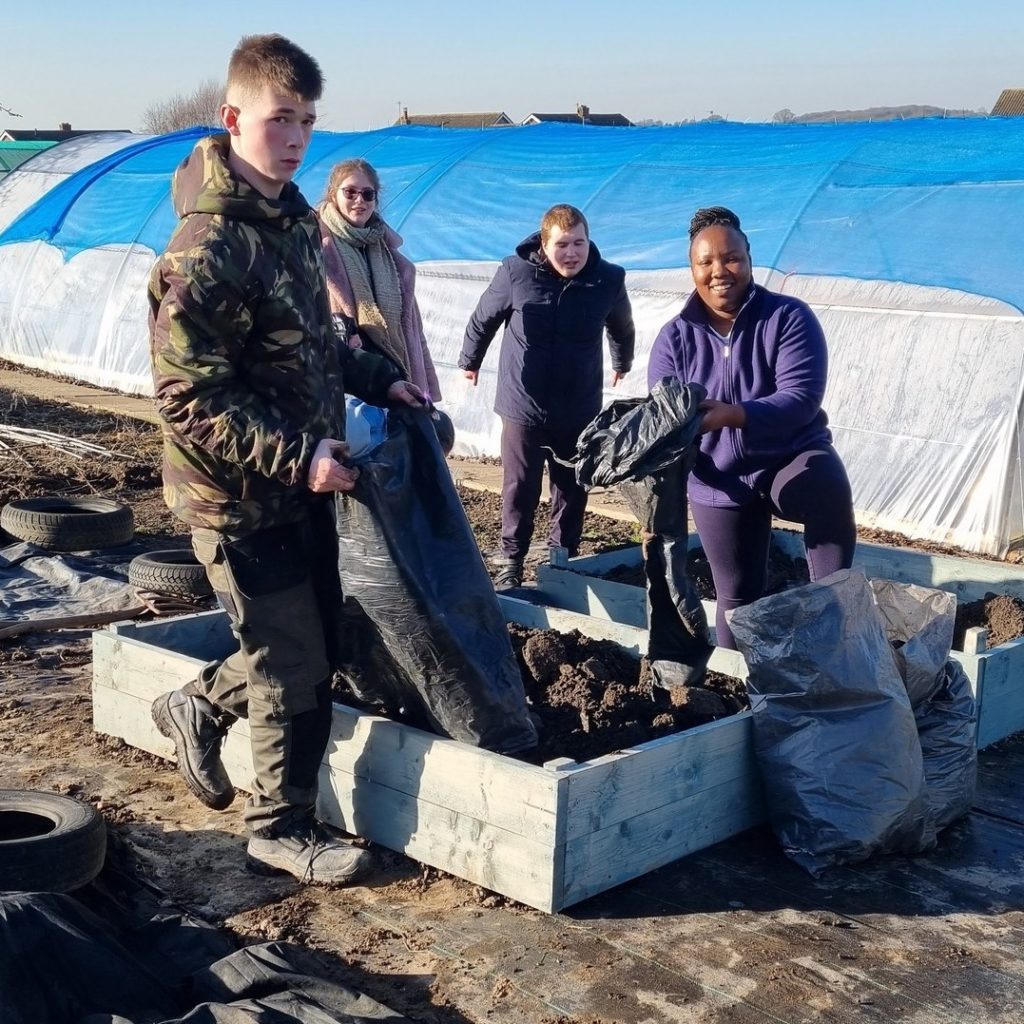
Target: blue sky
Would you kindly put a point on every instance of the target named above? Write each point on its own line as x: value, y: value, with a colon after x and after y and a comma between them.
x: 103, y: 65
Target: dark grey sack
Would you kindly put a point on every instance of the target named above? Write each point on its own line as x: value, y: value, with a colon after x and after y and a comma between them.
x: 834, y: 733
x: 646, y: 446
x: 919, y: 623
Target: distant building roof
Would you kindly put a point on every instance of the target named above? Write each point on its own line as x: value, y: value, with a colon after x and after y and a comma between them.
x: 582, y: 116
x: 1009, y: 104
x: 487, y: 119
x: 40, y: 135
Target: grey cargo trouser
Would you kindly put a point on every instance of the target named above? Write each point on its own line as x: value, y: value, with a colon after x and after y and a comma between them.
x: 281, y: 590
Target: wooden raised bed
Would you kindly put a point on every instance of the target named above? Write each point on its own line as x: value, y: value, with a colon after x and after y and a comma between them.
x: 996, y: 674
x: 547, y: 836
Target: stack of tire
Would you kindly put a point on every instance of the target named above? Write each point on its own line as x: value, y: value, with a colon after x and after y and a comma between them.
x: 90, y: 524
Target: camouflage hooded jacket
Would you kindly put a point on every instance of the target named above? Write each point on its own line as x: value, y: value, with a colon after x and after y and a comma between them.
x: 247, y: 370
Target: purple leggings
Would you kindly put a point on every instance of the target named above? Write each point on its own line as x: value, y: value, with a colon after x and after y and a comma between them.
x: 811, y: 489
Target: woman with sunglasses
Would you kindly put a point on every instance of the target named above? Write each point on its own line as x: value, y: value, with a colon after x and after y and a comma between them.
x: 765, y: 448
x: 369, y: 282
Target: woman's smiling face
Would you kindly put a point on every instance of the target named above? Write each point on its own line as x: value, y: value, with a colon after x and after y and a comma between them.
x: 720, y: 263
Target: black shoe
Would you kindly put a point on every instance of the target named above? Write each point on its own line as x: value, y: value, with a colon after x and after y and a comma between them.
x: 197, y: 730
x: 309, y: 852
x: 510, y: 575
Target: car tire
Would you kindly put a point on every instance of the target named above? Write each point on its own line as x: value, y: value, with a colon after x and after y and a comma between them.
x: 69, y: 524
x: 175, y: 572
x: 48, y: 842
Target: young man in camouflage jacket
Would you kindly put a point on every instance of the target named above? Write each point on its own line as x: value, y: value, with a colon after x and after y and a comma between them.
x: 250, y: 382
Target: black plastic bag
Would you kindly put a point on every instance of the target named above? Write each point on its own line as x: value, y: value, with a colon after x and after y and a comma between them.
x: 424, y: 632
x: 834, y: 733
x: 919, y: 623
x: 636, y: 437
x: 646, y: 446
x: 678, y: 647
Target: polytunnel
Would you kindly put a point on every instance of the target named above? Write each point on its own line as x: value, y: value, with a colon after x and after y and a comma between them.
x: 903, y: 236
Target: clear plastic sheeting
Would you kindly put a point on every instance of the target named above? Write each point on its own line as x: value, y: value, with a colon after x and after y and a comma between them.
x: 903, y: 237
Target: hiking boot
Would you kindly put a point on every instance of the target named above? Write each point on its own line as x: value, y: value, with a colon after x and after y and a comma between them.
x: 197, y: 729
x: 510, y: 575
x: 309, y: 852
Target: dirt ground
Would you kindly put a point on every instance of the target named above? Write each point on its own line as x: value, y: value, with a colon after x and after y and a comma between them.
x: 426, y: 944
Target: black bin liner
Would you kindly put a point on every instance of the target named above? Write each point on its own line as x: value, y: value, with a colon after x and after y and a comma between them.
x: 646, y: 446
x: 919, y: 624
x: 424, y: 633
x: 834, y: 732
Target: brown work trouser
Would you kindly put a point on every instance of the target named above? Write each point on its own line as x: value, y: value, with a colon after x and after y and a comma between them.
x: 281, y: 590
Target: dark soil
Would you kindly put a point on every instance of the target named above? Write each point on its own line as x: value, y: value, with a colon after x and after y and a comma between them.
x: 1000, y: 614
x: 594, y: 698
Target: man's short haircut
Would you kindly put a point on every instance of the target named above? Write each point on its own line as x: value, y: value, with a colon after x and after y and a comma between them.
x: 712, y: 216
x: 259, y: 61
x: 562, y: 216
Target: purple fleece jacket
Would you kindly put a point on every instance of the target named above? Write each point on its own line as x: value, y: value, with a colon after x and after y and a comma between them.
x: 774, y: 364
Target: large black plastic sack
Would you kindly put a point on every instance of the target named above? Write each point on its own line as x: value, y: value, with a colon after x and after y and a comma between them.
x: 635, y: 437
x: 424, y: 632
x: 678, y: 647
x: 646, y: 446
x: 919, y: 623
x: 834, y: 733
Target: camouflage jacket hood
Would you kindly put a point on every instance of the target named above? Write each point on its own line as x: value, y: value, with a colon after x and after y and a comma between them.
x: 247, y: 371
x: 203, y: 183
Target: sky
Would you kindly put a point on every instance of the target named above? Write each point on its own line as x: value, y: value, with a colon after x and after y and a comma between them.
x: 102, y: 66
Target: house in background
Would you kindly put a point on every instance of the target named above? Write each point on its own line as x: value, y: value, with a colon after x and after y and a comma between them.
x: 62, y: 133
x: 582, y: 116
x: 489, y: 119
x: 1009, y: 104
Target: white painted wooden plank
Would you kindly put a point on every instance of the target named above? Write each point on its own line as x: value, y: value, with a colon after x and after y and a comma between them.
x: 592, y: 595
x: 1001, y: 711
x: 512, y: 795
x: 537, y: 616
x: 596, y: 862
x: 515, y: 865
x: 203, y: 635
x: 662, y: 772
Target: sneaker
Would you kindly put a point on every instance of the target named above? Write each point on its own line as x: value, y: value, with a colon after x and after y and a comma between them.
x: 197, y: 730
x: 509, y: 575
x: 309, y: 852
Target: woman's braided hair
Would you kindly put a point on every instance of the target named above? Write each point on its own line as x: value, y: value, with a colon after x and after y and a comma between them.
x: 712, y: 215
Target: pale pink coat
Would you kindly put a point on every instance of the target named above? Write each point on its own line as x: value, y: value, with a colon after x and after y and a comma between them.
x: 339, y: 289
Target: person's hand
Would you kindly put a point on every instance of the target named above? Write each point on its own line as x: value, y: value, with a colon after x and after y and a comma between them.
x: 406, y: 393
x: 721, y: 414
x: 327, y: 473
x: 354, y: 341
x: 471, y: 376
x: 617, y: 376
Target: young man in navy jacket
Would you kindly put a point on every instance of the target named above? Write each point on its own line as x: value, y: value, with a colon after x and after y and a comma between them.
x: 556, y: 297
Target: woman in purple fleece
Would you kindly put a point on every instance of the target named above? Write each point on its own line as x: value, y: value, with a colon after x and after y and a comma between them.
x: 765, y: 448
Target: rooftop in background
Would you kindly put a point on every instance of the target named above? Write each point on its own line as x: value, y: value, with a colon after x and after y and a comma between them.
x: 582, y: 116
x: 487, y: 119
x: 12, y: 154
x: 58, y: 135
x: 1009, y: 104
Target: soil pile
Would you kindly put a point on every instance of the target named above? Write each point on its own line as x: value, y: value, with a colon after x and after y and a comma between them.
x: 1000, y: 614
x: 593, y: 698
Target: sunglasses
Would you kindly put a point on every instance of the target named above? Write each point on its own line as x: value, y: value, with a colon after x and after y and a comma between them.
x: 368, y: 194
